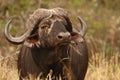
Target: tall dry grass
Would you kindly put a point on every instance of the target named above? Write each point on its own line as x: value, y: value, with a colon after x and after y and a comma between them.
x: 101, y: 67
x: 8, y: 70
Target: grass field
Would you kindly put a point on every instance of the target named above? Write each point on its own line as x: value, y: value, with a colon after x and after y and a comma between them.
x: 99, y: 68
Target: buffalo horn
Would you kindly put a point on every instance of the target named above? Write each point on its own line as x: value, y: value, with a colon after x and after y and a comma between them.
x: 84, y: 26
x: 9, y: 37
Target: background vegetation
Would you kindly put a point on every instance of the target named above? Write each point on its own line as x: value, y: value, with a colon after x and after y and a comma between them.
x: 103, y: 39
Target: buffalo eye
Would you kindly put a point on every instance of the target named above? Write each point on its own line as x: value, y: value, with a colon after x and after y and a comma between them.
x: 45, y: 26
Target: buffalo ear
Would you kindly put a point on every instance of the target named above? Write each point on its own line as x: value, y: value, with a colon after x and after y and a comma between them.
x: 32, y: 41
x: 76, y: 37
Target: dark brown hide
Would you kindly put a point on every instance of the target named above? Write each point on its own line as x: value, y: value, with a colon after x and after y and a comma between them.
x: 34, y: 61
x: 79, y: 60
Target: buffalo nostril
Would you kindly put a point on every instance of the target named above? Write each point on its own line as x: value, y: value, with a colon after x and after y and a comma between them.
x: 59, y: 37
x: 63, y: 36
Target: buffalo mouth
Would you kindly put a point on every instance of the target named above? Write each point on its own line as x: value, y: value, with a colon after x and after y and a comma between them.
x: 70, y: 40
x: 64, y: 43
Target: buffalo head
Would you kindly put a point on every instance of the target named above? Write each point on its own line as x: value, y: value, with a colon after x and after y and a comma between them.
x: 47, y: 28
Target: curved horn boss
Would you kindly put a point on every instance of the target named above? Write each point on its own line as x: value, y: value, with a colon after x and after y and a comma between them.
x: 14, y: 40
x: 84, y: 26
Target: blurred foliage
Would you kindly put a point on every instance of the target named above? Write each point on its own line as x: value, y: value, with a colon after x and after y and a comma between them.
x: 110, y: 4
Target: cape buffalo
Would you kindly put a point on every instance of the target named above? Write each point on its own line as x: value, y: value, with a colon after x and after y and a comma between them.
x: 51, y: 45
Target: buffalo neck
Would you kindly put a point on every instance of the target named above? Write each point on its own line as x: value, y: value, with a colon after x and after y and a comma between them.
x: 48, y: 56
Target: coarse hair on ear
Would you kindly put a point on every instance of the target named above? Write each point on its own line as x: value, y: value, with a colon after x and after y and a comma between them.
x: 32, y: 40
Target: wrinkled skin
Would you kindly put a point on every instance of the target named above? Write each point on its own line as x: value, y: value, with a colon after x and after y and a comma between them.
x: 49, y: 29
